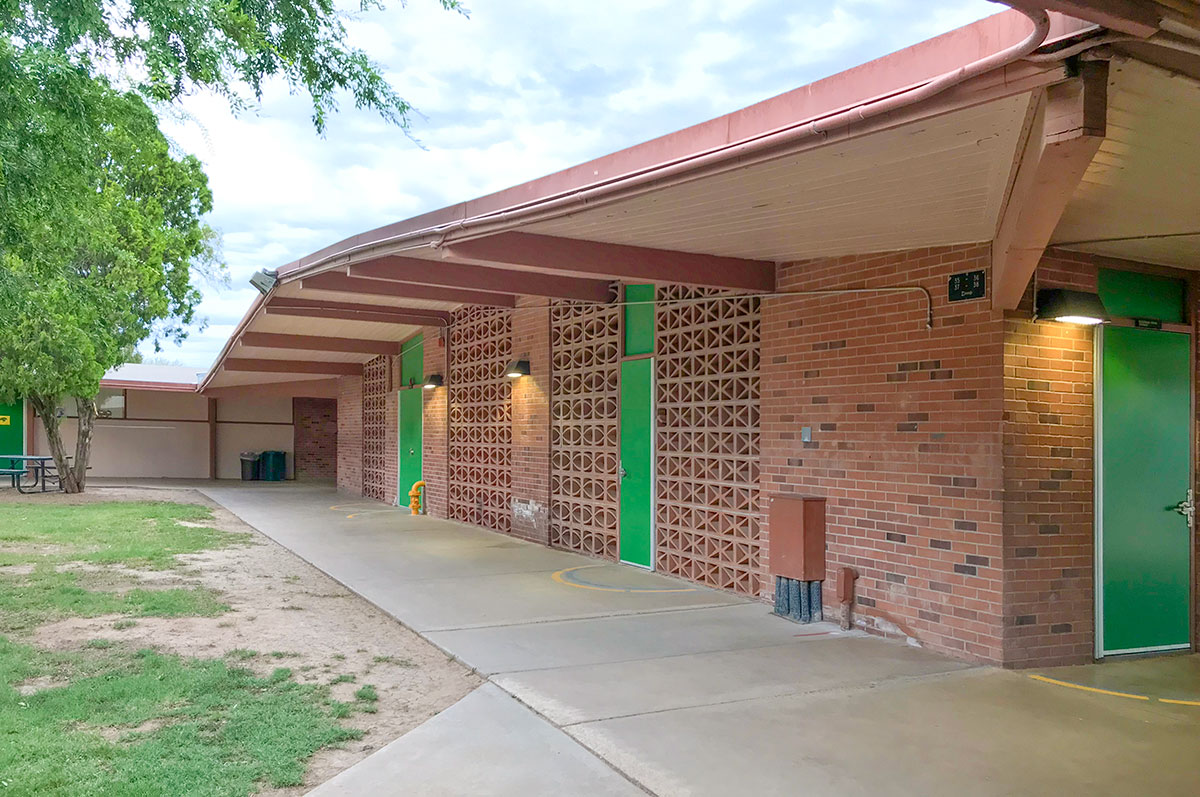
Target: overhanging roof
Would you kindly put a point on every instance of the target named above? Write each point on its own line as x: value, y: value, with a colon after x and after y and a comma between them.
x: 715, y: 204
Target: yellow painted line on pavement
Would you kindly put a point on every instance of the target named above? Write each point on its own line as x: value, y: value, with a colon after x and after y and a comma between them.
x: 1179, y: 702
x: 1093, y: 689
x: 363, y: 509
x: 561, y: 578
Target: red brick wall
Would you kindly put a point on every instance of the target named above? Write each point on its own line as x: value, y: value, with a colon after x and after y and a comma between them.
x: 349, y: 433
x: 530, y: 496
x: 391, y: 462
x: 315, y: 437
x: 1048, y: 478
x: 434, y: 424
x: 906, y: 439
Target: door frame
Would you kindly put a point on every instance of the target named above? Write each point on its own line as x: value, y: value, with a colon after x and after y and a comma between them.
x: 1098, y: 490
x: 653, y: 459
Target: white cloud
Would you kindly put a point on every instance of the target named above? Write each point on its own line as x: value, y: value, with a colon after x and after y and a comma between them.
x: 521, y: 89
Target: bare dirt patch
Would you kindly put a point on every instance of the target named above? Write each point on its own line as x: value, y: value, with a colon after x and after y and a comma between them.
x: 285, y: 613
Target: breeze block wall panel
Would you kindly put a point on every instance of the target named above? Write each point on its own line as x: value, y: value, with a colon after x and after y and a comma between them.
x: 375, y: 382
x: 315, y: 437
x: 707, y: 417
x: 480, y: 418
x: 585, y: 408
x: 349, y: 435
x: 905, y: 427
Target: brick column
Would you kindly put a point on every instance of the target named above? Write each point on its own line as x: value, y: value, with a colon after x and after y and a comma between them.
x: 391, y: 466
x: 315, y: 437
x: 349, y: 435
x: 435, y: 429
x: 530, y: 503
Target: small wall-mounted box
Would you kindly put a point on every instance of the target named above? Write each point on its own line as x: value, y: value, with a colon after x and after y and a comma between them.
x: 797, y: 540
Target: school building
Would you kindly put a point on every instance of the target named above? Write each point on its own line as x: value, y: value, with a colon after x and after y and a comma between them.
x: 950, y: 291
x: 153, y: 423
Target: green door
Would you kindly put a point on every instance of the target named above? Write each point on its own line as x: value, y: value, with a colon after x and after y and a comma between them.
x: 637, y: 462
x: 410, y: 442
x: 1145, y: 471
x: 12, y: 429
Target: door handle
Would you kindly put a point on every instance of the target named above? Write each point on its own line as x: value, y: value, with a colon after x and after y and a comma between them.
x: 623, y: 472
x: 1187, y: 508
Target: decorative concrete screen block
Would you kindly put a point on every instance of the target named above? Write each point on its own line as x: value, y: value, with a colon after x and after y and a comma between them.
x: 375, y: 427
x: 480, y: 456
x: 585, y: 341
x: 708, y: 438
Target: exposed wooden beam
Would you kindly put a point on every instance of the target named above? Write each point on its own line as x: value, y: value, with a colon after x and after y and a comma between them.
x: 547, y: 254
x: 485, y: 278
x: 350, y: 311
x: 343, y: 315
x: 341, y: 283
x: 273, y: 340
x: 1065, y: 137
x: 306, y: 388
x: 291, y: 366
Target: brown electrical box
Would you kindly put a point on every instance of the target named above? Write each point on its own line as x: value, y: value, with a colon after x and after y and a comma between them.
x: 797, y: 539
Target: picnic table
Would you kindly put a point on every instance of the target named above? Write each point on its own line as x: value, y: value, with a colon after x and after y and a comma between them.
x: 30, y: 473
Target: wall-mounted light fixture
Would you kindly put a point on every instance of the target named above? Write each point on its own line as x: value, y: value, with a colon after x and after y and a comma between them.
x: 434, y: 381
x: 264, y: 280
x: 517, y: 369
x: 1070, y: 307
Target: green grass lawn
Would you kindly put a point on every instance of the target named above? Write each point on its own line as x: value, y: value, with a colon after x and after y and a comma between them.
x: 117, y: 721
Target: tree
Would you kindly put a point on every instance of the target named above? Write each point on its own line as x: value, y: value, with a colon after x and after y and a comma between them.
x: 100, y: 229
x: 101, y: 223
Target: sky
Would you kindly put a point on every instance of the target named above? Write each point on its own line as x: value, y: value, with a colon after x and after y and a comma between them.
x: 515, y: 90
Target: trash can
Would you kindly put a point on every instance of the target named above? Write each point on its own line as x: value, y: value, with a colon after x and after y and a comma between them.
x: 274, y: 466
x: 249, y: 466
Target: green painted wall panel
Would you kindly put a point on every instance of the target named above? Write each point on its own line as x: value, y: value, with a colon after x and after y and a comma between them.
x: 12, y: 429
x: 1129, y: 294
x: 637, y: 459
x: 409, y: 448
x: 639, y: 320
x: 412, y: 362
x: 1145, y: 418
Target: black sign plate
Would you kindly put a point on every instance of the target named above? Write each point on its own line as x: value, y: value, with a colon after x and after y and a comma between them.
x: 1147, y: 323
x: 968, y: 285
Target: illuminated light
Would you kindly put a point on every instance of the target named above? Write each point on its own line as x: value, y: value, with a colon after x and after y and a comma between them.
x: 1070, y: 307
x: 517, y: 369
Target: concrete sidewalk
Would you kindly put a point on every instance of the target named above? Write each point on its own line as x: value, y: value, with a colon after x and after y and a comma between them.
x: 628, y: 682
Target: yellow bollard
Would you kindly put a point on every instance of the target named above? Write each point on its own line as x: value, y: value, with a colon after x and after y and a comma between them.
x: 414, y: 497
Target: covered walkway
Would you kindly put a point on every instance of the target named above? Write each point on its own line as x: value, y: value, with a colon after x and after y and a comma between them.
x: 627, y: 681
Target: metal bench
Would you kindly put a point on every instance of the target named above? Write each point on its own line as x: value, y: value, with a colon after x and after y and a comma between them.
x: 40, y: 468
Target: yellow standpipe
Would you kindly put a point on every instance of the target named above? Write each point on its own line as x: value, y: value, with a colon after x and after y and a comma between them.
x: 414, y: 497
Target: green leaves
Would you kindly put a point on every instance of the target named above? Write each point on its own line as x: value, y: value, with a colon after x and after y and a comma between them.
x: 167, y: 48
x: 100, y: 226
